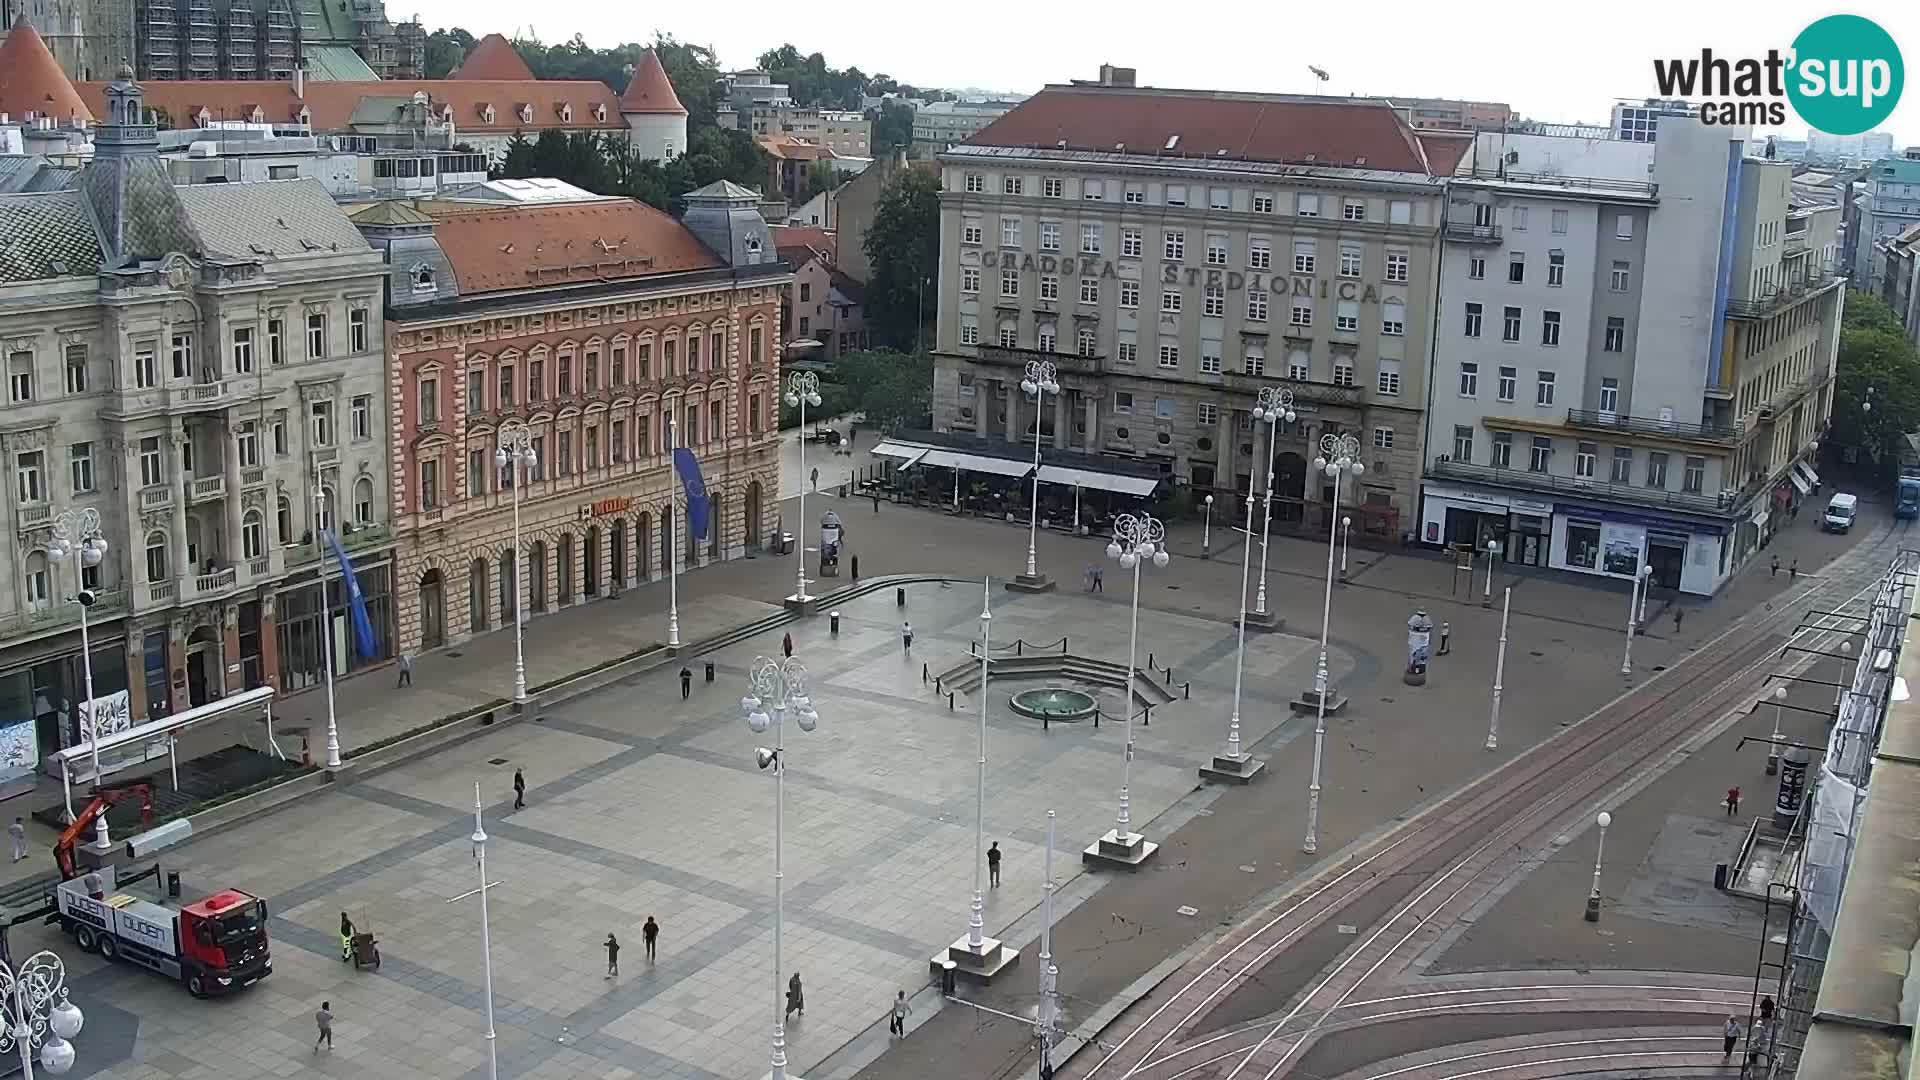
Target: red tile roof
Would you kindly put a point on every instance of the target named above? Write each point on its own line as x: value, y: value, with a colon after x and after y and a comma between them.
x: 333, y: 103
x: 811, y: 237
x: 513, y: 248
x: 1354, y: 134
x: 31, y: 80
x: 650, y: 91
x: 493, y: 58
x: 793, y: 148
x: 1445, y: 149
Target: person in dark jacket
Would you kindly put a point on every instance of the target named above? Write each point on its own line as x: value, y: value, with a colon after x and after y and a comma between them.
x: 613, y: 956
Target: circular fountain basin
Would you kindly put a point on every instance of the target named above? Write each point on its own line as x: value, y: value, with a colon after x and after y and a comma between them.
x: 1054, y: 703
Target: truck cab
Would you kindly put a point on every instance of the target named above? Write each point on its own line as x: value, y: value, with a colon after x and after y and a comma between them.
x: 212, y: 946
x: 1840, y: 513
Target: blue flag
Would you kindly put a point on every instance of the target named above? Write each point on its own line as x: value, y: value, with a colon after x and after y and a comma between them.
x: 363, y: 642
x: 688, y: 467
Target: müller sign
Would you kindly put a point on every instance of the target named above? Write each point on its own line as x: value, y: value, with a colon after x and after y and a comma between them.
x: 1170, y: 274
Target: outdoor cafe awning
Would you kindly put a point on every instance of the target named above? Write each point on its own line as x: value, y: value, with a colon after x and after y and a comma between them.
x: 1098, y: 481
x: 1800, y: 482
x: 1806, y: 472
x: 980, y: 463
x: 889, y: 448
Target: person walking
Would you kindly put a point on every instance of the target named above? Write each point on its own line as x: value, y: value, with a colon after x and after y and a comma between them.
x: 649, y: 933
x: 1773, y: 567
x: 901, y: 1009
x: 876, y: 502
x: 1678, y: 613
x: 323, y: 1019
x: 613, y: 956
x: 796, y: 999
x: 686, y: 683
x: 856, y: 568
x: 786, y: 644
x: 1099, y: 578
x: 816, y: 480
x: 1730, y: 1034
x: 1733, y: 801
x: 1793, y: 572
x: 18, y: 830
x: 406, y: 671
x: 993, y: 864
x: 519, y: 790
x: 906, y: 636
x: 346, y: 937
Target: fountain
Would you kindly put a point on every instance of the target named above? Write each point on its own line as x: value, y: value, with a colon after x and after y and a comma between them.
x: 1054, y: 703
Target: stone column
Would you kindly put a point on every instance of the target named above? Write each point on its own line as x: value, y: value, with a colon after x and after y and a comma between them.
x: 1060, y: 421
x: 1015, y: 399
x: 135, y: 647
x: 1223, y: 446
x: 230, y: 681
x: 270, y: 640
x: 136, y: 537
x: 234, y: 504
x: 177, y: 436
x: 1091, y: 406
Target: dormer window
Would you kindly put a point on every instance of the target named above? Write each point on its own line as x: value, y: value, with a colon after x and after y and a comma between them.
x: 566, y: 113
x: 257, y: 115
x: 203, y: 117
x: 753, y: 249
x: 526, y: 113
x: 486, y: 114
x: 423, y: 279
x: 446, y: 113
x: 306, y: 116
x: 600, y: 112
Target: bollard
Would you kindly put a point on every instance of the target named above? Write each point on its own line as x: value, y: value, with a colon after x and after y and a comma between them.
x: 1046, y: 722
x: 709, y: 671
x: 923, y: 673
x: 900, y: 596
x: 949, y: 701
x: 1169, y: 676
x: 948, y: 979
x: 1186, y: 691
x: 1019, y: 646
x: 843, y: 491
x: 1146, y: 716
x: 1446, y: 638
x: 833, y: 627
x: 173, y: 884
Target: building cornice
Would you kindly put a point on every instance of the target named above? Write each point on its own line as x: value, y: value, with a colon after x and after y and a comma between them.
x: 532, y: 302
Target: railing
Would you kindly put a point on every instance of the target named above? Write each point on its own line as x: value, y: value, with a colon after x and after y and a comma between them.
x: 217, y: 581
x: 260, y: 567
x: 1781, y: 298
x: 1002, y: 356
x: 1446, y: 469
x: 1324, y: 393
x: 253, y: 478
x: 326, y: 455
x: 202, y: 393
x: 161, y: 592
x: 106, y: 603
x: 38, y: 514
x: 1647, y: 425
x: 1587, y: 183
x: 1471, y: 233
x: 155, y: 497
x: 207, y: 487
x: 1793, y: 392
x: 313, y: 550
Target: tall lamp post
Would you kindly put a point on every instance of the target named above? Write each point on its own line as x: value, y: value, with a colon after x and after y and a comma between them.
x: 1339, y: 459
x: 516, y: 457
x: 1773, y: 747
x: 322, y: 513
x: 1593, y: 894
x: 982, y: 955
x: 1493, y: 552
x: 1041, y: 379
x: 1633, y: 618
x: 77, y: 536
x: 803, y: 389
x: 1273, y: 405
x: 486, y: 934
x: 1206, y: 530
x: 1236, y: 765
x: 37, y: 1014
x: 1499, y: 672
x: 1346, y: 543
x: 775, y: 687
x: 1137, y: 538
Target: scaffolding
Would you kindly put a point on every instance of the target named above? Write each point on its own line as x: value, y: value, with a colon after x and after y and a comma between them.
x: 280, y: 47
x: 240, y: 35
x: 203, y: 41
x: 159, y: 55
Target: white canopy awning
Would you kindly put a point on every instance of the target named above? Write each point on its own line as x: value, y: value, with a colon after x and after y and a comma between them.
x: 918, y: 456
x: 1806, y: 471
x: 889, y: 448
x: 1800, y: 482
x: 1098, y: 481
x: 167, y: 725
x: 980, y: 463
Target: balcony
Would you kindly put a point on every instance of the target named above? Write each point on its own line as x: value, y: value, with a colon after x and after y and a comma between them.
x: 206, y: 488
x: 1466, y: 232
x: 107, y: 604
x: 207, y: 586
x: 1782, y: 298
x: 1066, y: 363
x: 1793, y: 392
x: 157, y: 497
x: 215, y: 394
x: 253, y: 478
x: 161, y: 592
x: 1320, y: 393
x: 35, y: 515
x: 1620, y: 424
x: 1444, y: 468
x: 260, y: 568
x: 363, y: 536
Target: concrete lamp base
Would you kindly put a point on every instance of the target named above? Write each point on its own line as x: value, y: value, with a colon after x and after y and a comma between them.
x: 1593, y: 909
x: 1265, y: 622
x: 1232, y: 770
x: 975, y: 967
x: 1308, y: 701
x: 788, y: 1075
x: 1036, y: 583
x: 800, y: 605
x: 1119, y: 852
x: 92, y: 856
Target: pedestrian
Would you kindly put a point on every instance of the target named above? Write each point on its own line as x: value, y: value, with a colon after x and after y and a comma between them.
x: 1730, y: 1035
x: 649, y: 933
x: 786, y: 644
x: 686, y: 683
x: 18, y: 830
x: 796, y: 1000
x: 1773, y: 567
x: 323, y: 1019
x: 856, y: 568
x: 519, y: 789
x: 1086, y: 578
x: 1678, y: 613
x: 1793, y: 572
x: 1099, y: 578
x: 876, y: 502
x: 613, y: 956
x: 906, y: 636
x: 346, y: 937
x: 94, y: 886
x: 993, y: 864
x: 1733, y: 801
x: 816, y: 479
x: 406, y: 671
x: 898, y: 1024
x: 1766, y: 1010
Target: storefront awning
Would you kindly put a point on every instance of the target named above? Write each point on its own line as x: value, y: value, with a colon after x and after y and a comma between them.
x: 889, y: 448
x: 1760, y: 516
x: 1098, y: 481
x: 1800, y: 482
x: 980, y: 463
x: 1805, y: 470
x: 918, y: 456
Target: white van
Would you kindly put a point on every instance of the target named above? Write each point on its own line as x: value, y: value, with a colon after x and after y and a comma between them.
x: 1839, y: 515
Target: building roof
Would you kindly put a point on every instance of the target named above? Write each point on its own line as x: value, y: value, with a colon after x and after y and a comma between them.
x: 493, y: 58
x: 31, y: 80
x: 272, y: 220
x: 723, y: 189
x: 790, y: 148
x: 334, y: 105
x: 1444, y: 149
x: 811, y: 237
x: 522, y: 247
x: 45, y: 236
x: 532, y: 189
x: 1175, y: 125
x: 336, y: 63
x: 650, y: 91
x: 387, y: 212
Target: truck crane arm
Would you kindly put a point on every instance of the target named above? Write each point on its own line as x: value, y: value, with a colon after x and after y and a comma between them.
x: 103, y: 797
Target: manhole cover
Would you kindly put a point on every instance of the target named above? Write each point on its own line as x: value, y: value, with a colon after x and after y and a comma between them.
x: 1187, y: 910
x: 497, y: 761
x: 1174, y: 588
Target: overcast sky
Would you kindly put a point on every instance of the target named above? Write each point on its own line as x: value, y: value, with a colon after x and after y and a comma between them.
x: 1548, y: 61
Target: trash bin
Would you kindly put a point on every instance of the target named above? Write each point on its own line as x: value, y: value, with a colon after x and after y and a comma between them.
x: 949, y: 982
x: 900, y: 596
x: 786, y: 543
x: 1720, y: 876
x: 833, y: 623
x: 173, y: 884
x: 709, y: 671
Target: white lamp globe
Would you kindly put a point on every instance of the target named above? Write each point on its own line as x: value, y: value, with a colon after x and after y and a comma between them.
x: 1605, y: 819
x: 1358, y: 468
x: 748, y: 703
x: 1029, y: 386
x: 1291, y: 416
x: 807, y: 719
x: 793, y: 399
x: 66, y: 1019
x: 500, y: 457
x: 1113, y: 550
x: 1259, y: 413
x: 759, y: 721
x: 1128, y: 560
x: 1209, y: 500
x: 1160, y: 559
x: 1319, y: 464
x: 57, y: 1056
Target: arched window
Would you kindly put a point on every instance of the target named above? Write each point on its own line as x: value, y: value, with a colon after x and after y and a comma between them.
x: 39, y: 582
x: 283, y: 518
x: 326, y: 509
x: 253, y: 535
x: 363, y: 501
x: 157, y: 556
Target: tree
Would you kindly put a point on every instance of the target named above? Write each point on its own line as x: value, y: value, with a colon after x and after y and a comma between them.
x: 892, y: 125
x: 1874, y: 354
x: 445, y: 50
x: 821, y: 176
x: 894, y: 390
x: 903, y: 244
x: 518, y: 162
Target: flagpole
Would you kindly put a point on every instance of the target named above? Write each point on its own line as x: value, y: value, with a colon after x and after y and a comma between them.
x: 673, y: 539
x: 326, y: 620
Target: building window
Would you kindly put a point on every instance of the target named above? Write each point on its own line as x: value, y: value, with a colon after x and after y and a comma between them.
x: 1501, y: 454
x: 1174, y: 242
x: 1012, y: 185
x: 1399, y: 212
x: 253, y: 535
x: 1136, y: 193
x: 1009, y: 336
x: 321, y: 426
x: 1216, y: 250
x: 1346, y: 316
x: 283, y: 519
x: 1469, y: 379
x: 1585, y: 456
x: 1696, y: 475
x: 1049, y: 236
x: 1463, y: 444
x: 1303, y: 256
x: 1009, y: 283
x: 1169, y: 356
x: 20, y: 377
x: 1093, y: 190
x: 1132, y: 242
x: 1263, y: 202
x: 1556, y: 269
x: 29, y: 472
x: 1299, y: 366
x: 1383, y: 438
x: 1560, y: 221
x: 157, y: 556
x: 1255, y: 362
x: 1622, y: 275
x: 1090, y: 237
x: 316, y: 335
x: 1609, y: 396
x: 1209, y: 358
x: 1393, y: 318
x: 1052, y: 187
x: 1207, y: 413
x: 1045, y: 338
x: 243, y: 350
x: 969, y: 333
x: 1519, y: 219
x: 1510, y: 325
x: 1085, y: 341
x: 80, y: 467
x: 1256, y: 306
x: 1351, y: 262
x: 1477, y: 268
x: 1259, y: 255
x: 976, y: 183
x: 1170, y: 301
x: 357, y: 330
x: 1010, y: 232
x: 276, y: 342
x: 246, y: 441
x: 1473, y: 320
x: 182, y: 356
x: 1176, y: 195
x: 1129, y: 294
x: 1543, y: 388
x: 1220, y: 198
x: 1354, y: 210
x: 1122, y: 402
x: 1049, y: 286
x: 1302, y: 312
x: 1216, y: 301
x: 361, y: 417
x: 1616, y: 335
x: 969, y: 280
x: 1508, y: 384
x: 1126, y: 352
x: 1517, y: 267
x: 1343, y: 371
x: 1089, y: 289
x: 971, y: 233
x: 1623, y: 227
x: 1622, y: 465
x: 1388, y: 381
x: 1657, y: 470
x: 1307, y: 205
x: 1397, y: 266
x: 146, y: 369
x: 1550, y: 328
x: 1540, y: 455
x: 152, y: 471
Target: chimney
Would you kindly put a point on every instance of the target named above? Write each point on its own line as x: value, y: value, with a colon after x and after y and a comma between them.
x: 1116, y: 76
x: 300, y: 82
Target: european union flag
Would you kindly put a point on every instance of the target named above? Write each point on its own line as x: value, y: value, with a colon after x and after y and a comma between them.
x: 363, y: 640
x: 688, y: 467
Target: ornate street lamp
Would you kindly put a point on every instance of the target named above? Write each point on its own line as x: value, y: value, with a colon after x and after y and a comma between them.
x: 1273, y: 406
x: 1041, y: 380
x: 77, y: 536
x: 36, y: 1013
x: 516, y: 454
x: 775, y: 687
x: 1339, y: 459
x: 803, y: 389
x: 1137, y: 538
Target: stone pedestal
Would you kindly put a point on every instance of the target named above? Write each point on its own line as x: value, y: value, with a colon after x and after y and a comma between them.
x: 1308, y: 701
x: 1119, y: 852
x: 1593, y: 909
x: 1232, y: 770
x: 92, y: 856
x: 801, y: 605
x: 975, y: 967
x: 1267, y: 623
x: 1036, y: 583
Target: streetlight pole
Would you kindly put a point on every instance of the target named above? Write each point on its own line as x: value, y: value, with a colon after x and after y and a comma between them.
x: 1273, y: 405
x: 516, y: 456
x: 803, y: 389
x: 1633, y: 624
x: 326, y: 610
x: 1339, y: 458
x: 1049, y: 974
x: 486, y: 934
x: 1346, y: 543
x: 1593, y: 895
x: 1493, y: 550
x: 76, y: 535
x: 1235, y: 765
x: 1773, y: 747
x: 36, y: 1012
x: 674, y: 525
x: 775, y: 687
x: 1137, y: 538
x: 976, y: 918
x: 1041, y: 379
x: 1499, y: 671
x: 1206, y: 530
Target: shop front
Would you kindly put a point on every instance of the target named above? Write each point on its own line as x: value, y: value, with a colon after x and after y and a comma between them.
x: 40, y: 697
x: 300, y: 621
x: 1455, y: 518
x: 1603, y: 541
x: 1529, y: 532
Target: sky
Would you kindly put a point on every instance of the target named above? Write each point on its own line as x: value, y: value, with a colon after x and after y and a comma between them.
x: 1550, y: 62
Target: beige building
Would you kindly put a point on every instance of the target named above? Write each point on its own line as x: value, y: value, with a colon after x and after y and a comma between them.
x: 1172, y: 252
